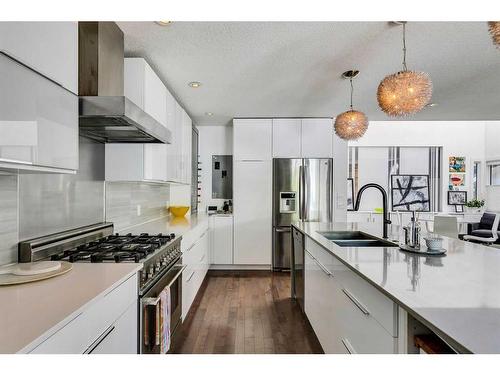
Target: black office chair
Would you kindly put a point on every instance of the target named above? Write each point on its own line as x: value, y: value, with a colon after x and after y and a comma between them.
x: 486, y: 231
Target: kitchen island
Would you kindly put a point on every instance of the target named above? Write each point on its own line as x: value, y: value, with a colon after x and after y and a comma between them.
x: 455, y: 296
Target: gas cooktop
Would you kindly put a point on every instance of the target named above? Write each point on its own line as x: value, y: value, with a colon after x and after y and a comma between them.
x: 116, y: 248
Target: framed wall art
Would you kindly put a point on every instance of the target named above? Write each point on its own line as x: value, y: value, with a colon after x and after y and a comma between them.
x: 410, y: 193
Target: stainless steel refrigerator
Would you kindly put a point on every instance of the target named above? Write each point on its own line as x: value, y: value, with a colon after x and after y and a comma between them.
x: 302, y: 190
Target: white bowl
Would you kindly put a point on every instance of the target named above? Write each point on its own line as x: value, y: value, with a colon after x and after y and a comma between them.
x: 434, y: 243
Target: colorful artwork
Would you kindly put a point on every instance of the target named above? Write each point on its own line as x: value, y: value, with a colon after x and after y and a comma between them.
x: 457, y: 164
x: 410, y: 193
x: 456, y: 180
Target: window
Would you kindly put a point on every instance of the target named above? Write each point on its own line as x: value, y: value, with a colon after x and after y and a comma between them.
x: 494, y: 170
x: 377, y: 164
x: 476, y: 176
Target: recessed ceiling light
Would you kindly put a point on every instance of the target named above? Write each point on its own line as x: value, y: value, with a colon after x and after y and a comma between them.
x: 209, y: 113
x: 194, y: 84
x: 163, y: 23
x: 431, y: 105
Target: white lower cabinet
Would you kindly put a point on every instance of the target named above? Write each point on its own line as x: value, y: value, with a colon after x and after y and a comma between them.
x: 347, y: 314
x: 196, y: 258
x: 108, y: 326
x: 119, y: 338
x: 221, y: 239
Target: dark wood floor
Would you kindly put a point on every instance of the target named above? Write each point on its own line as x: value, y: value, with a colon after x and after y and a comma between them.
x: 246, y: 312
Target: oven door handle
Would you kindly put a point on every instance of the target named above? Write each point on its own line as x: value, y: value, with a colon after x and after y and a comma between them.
x: 154, y: 301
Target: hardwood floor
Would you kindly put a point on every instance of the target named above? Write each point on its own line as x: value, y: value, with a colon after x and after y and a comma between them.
x: 246, y: 312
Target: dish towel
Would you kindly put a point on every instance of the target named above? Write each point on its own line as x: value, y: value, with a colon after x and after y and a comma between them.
x: 165, y: 320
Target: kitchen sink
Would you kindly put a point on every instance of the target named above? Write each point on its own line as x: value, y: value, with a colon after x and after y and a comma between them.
x: 364, y: 243
x: 356, y: 239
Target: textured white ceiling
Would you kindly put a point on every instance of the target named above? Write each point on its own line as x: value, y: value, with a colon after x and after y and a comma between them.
x: 292, y: 69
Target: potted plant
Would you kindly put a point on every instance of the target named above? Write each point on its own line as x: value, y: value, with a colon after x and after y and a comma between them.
x: 475, y: 206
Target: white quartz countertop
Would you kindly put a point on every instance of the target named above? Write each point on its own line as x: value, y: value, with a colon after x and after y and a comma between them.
x: 169, y: 224
x: 29, y: 313
x: 457, y: 296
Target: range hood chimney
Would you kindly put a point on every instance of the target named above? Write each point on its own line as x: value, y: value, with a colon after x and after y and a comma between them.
x: 106, y: 115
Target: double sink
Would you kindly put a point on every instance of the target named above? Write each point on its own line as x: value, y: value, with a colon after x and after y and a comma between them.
x: 356, y: 239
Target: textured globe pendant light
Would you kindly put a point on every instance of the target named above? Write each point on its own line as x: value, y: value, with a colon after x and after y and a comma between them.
x: 494, y: 28
x: 405, y: 92
x: 351, y: 125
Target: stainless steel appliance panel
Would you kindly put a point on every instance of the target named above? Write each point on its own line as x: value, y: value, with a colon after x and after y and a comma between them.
x: 297, y: 272
x: 222, y: 176
x: 149, y: 325
x: 285, y: 183
x: 282, y: 245
x: 302, y: 190
x: 317, y: 190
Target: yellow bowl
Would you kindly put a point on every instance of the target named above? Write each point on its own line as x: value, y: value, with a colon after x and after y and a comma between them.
x: 178, y: 211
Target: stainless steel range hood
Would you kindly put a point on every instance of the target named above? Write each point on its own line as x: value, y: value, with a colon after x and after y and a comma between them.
x: 106, y: 115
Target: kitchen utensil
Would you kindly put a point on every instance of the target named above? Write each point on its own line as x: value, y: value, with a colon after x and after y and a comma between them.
x: 178, y: 211
x: 412, y: 233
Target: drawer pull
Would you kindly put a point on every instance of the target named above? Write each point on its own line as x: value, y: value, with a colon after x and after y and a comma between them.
x: 358, y: 304
x: 203, y: 257
x: 100, y: 339
x: 196, y: 241
x: 348, y: 346
x: 190, y: 277
x: 320, y: 265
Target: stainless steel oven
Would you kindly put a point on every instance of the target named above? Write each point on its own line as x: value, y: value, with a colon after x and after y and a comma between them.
x: 149, y: 305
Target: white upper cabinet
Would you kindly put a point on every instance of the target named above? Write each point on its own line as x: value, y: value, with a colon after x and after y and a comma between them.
x: 38, y: 121
x: 50, y: 48
x: 144, y: 88
x: 179, y: 151
x: 287, y: 138
x: 317, y: 138
x: 152, y: 162
x: 252, y: 139
x: 187, y: 138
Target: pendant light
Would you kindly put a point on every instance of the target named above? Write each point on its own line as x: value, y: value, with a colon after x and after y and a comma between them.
x: 405, y: 92
x: 351, y: 125
x: 494, y: 28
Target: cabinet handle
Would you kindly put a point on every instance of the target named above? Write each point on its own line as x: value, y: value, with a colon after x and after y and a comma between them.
x: 100, y: 339
x: 348, y: 346
x: 190, y: 277
x: 203, y: 257
x: 323, y: 268
x: 354, y: 300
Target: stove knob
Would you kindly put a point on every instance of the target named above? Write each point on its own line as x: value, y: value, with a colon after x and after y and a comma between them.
x: 157, y: 266
x: 144, y: 277
x: 151, y: 272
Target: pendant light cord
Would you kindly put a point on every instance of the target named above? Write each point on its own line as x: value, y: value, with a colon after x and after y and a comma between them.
x: 352, y: 89
x: 405, y: 68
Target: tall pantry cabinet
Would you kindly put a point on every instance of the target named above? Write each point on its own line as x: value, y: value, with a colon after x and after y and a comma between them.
x: 252, y: 191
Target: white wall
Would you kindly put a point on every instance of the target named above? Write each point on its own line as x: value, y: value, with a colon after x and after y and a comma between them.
x: 213, y: 140
x: 457, y: 138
